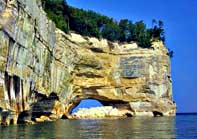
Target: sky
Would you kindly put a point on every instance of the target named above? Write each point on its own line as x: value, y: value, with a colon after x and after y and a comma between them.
x: 180, y: 23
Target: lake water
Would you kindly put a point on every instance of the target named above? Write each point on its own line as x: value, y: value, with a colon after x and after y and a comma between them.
x: 180, y: 127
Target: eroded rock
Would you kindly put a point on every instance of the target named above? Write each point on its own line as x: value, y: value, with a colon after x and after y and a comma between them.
x: 99, y: 112
x: 48, y: 72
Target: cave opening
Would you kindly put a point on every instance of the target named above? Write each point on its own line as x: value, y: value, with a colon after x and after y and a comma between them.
x: 157, y: 114
x: 87, y: 103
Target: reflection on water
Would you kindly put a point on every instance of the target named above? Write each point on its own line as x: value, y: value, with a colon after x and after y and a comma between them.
x: 131, y: 128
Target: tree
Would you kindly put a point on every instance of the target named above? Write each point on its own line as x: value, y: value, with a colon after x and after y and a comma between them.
x: 57, y: 10
x: 131, y: 36
x: 158, y: 31
x: 90, y: 23
x: 124, y: 29
x: 154, y: 22
x: 111, y: 32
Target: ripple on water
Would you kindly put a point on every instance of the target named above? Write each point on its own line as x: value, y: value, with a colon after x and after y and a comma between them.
x: 130, y: 128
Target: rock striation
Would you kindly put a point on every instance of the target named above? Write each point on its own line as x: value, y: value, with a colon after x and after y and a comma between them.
x: 45, y: 72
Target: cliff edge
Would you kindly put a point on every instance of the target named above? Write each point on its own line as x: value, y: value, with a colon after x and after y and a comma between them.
x: 44, y: 71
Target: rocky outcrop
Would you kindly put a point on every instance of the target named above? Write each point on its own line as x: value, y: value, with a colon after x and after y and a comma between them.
x: 100, y: 113
x: 44, y: 72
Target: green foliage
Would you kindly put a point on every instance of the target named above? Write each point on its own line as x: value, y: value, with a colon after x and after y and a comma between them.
x: 111, y: 32
x: 170, y: 53
x: 57, y: 10
x: 83, y: 22
x: 90, y: 23
x: 157, y: 30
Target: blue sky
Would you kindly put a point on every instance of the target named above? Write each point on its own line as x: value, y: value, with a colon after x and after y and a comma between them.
x: 180, y: 23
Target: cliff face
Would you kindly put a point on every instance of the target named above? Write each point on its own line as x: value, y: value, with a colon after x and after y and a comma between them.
x: 46, y: 72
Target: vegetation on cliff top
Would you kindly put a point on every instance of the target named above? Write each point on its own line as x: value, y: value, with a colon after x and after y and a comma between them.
x: 90, y: 23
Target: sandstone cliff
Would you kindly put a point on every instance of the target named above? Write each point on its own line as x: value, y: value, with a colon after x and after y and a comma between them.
x: 46, y: 72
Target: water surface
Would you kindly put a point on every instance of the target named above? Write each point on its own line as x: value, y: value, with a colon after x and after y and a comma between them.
x: 182, y: 126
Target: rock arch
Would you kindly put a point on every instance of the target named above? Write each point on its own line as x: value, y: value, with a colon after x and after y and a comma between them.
x: 37, y: 59
x: 86, y: 103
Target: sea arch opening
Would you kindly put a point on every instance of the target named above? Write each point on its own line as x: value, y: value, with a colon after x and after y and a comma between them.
x: 96, y: 108
x: 86, y: 103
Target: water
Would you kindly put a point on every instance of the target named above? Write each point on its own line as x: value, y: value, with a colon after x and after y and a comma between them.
x: 181, y: 127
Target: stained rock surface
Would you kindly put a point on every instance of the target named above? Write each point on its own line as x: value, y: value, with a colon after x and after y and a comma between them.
x: 45, y: 72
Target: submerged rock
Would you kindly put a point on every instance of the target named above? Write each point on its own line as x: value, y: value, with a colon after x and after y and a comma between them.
x: 42, y: 119
x: 48, y: 72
